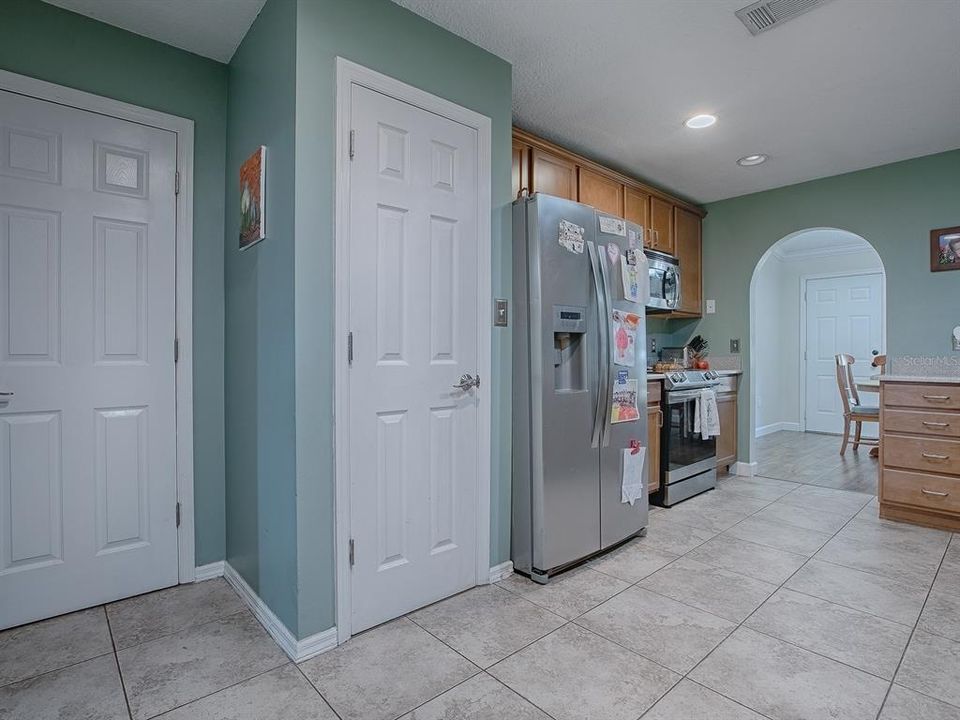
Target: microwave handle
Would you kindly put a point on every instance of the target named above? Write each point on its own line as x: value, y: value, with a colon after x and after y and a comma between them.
x: 676, y: 276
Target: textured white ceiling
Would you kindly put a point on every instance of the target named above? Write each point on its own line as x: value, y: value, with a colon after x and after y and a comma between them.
x: 852, y: 84
x: 212, y: 28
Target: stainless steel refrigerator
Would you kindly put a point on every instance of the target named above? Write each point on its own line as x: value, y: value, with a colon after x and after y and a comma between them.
x: 571, y: 298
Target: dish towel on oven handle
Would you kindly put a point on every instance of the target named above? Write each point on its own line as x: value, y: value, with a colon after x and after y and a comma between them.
x: 706, y: 417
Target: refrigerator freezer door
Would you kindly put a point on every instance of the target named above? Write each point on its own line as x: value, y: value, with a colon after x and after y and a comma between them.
x: 563, y: 338
x: 619, y: 520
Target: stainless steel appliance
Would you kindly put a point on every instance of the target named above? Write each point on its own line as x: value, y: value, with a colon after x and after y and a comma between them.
x: 567, y: 452
x: 689, y: 462
x: 664, y: 281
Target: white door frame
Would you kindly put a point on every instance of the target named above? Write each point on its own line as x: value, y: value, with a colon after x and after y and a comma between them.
x: 349, y: 73
x: 804, y: 279
x: 183, y: 128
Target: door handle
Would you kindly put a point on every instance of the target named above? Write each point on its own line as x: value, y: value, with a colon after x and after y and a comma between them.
x: 602, y: 327
x: 467, y: 381
x: 607, y: 354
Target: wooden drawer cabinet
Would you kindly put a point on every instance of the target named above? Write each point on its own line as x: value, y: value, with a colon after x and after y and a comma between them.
x: 932, y: 492
x: 920, y: 422
x: 922, y: 453
x: 931, y: 397
x: 654, y: 391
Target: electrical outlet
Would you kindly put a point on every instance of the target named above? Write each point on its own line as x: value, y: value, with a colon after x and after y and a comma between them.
x: 711, y: 307
x: 956, y: 338
x: 653, y: 347
x: 735, y: 345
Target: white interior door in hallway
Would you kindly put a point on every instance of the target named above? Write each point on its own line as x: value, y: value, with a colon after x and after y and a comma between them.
x: 413, y: 314
x: 88, y: 486
x: 843, y: 315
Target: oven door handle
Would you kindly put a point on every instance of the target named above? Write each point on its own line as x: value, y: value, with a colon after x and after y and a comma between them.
x: 602, y: 389
x: 606, y: 354
x: 676, y: 398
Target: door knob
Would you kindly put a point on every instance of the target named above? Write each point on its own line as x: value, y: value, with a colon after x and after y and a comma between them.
x: 467, y: 381
x: 5, y: 397
x: 874, y: 352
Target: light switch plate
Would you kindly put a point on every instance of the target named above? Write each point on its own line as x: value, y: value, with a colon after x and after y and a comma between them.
x: 500, y: 312
x: 711, y: 307
x: 956, y: 338
x: 735, y: 345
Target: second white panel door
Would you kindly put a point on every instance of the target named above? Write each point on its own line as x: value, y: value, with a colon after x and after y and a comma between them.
x: 844, y: 315
x: 413, y: 315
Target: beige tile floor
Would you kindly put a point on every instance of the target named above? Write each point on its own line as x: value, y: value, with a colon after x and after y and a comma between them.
x: 815, y: 459
x: 761, y: 599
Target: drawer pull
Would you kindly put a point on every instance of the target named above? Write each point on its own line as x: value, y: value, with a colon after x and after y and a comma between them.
x: 929, y: 423
x: 933, y: 492
x: 936, y: 397
x: 934, y: 456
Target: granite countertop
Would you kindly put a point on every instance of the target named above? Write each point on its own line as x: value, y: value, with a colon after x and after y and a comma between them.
x: 935, y: 379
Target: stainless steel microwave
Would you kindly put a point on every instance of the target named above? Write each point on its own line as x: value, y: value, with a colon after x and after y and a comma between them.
x: 664, y: 281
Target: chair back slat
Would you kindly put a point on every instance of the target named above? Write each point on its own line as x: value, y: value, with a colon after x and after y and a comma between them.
x: 846, y: 383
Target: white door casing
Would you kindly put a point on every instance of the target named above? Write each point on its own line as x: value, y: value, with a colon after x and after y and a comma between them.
x: 413, y: 254
x: 89, y: 451
x: 842, y: 314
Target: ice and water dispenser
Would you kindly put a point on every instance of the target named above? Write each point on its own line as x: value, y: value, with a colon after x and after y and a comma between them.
x: 569, y: 361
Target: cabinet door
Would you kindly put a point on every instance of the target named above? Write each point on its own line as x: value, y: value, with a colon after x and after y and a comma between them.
x: 654, y: 421
x: 661, y: 222
x: 727, y: 442
x: 553, y: 175
x: 521, y: 167
x: 636, y: 209
x: 600, y: 191
x: 689, y: 252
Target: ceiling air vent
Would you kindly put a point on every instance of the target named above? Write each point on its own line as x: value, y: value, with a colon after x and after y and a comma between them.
x: 766, y: 14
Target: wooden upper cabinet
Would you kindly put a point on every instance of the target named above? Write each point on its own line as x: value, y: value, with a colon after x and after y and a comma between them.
x: 636, y: 209
x: 553, y: 175
x: 688, y: 250
x: 604, y: 193
x: 661, y: 223
x: 521, y: 167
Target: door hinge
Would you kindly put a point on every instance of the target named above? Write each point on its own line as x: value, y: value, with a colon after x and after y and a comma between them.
x: 349, y: 348
x: 176, y: 183
x: 176, y: 350
x: 178, y: 514
x: 351, y: 553
x: 353, y: 137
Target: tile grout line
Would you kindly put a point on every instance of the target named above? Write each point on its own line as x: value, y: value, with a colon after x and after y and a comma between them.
x: 915, y: 625
x: 316, y: 689
x: 116, y: 661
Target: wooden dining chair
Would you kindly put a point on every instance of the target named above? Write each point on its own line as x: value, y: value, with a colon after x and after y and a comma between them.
x: 853, y: 411
x: 879, y: 361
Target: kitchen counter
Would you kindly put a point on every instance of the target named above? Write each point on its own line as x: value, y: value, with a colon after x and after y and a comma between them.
x: 930, y: 379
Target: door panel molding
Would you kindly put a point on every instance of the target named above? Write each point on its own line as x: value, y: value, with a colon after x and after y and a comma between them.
x: 348, y: 74
x: 183, y: 128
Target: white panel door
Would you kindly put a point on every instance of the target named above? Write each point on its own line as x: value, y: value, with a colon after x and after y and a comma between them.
x: 87, y: 288
x: 844, y: 315
x: 413, y: 314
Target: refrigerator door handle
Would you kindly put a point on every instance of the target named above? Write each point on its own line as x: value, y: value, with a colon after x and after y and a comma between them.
x: 605, y: 354
x: 602, y: 389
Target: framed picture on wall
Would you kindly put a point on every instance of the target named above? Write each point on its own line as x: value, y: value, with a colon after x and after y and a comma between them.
x: 945, y: 249
x: 253, y: 226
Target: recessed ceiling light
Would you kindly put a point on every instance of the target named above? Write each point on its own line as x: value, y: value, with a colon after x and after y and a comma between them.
x: 748, y: 160
x: 700, y: 121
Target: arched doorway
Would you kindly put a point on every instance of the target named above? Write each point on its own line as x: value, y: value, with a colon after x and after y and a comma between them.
x: 814, y: 293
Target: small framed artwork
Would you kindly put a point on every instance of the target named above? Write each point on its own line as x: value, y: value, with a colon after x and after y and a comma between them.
x: 253, y: 227
x: 945, y: 249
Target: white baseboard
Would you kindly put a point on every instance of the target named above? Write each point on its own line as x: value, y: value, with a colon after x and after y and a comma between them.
x: 777, y: 427
x: 208, y: 572
x: 744, y: 469
x: 297, y: 650
x: 501, y: 571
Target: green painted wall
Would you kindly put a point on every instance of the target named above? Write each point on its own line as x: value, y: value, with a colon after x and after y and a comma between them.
x: 384, y: 37
x: 894, y: 207
x: 61, y: 47
x: 261, y: 497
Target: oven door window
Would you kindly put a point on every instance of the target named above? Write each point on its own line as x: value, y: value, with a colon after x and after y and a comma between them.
x: 684, y: 447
